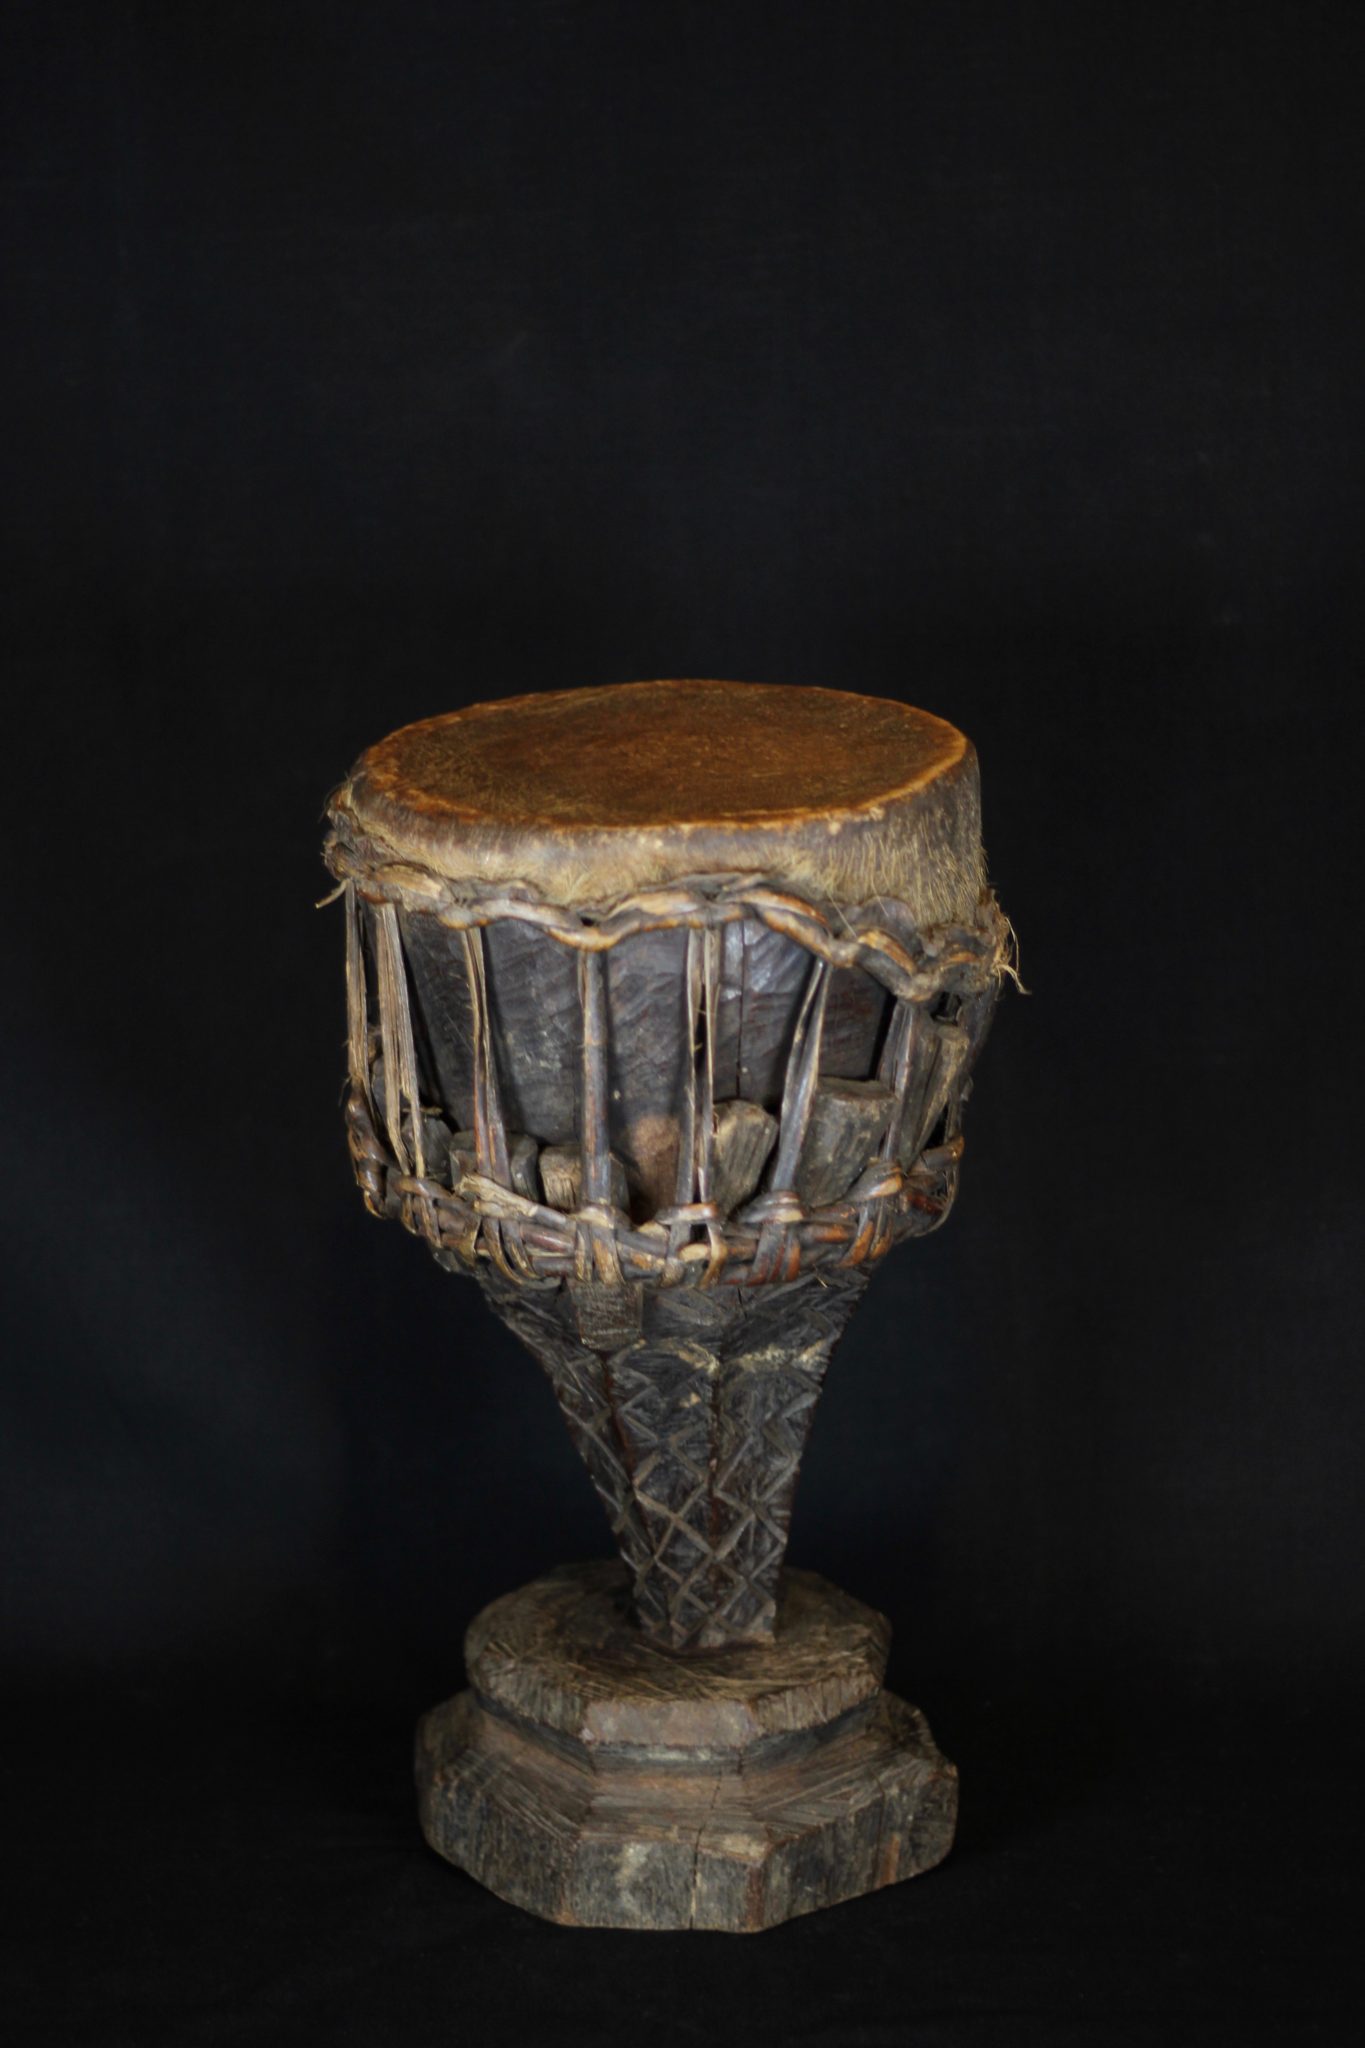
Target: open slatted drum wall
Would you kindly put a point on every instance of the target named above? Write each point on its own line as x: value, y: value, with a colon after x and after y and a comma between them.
x: 511, y: 1020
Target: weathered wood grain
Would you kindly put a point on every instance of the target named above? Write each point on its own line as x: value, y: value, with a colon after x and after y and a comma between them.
x: 561, y: 1177
x: 743, y: 1137
x: 847, y: 1122
x: 596, y: 1780
x: 568, y: 1655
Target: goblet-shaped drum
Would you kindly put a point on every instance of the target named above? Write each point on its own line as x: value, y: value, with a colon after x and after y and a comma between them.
x: 662, y: 1004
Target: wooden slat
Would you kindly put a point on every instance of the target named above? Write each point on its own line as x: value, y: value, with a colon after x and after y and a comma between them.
x: 847, y: 1122
x: 744, y: 1137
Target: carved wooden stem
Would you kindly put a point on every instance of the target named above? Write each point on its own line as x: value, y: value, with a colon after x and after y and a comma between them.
x: 691, y: 1411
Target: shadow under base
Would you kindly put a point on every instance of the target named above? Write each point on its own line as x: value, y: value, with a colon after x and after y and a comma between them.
x: 600, y: 1781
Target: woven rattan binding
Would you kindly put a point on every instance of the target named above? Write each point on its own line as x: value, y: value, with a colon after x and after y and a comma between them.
x: 905, y: 1190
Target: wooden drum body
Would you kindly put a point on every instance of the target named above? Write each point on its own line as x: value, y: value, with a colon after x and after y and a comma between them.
x: 663, y: 1002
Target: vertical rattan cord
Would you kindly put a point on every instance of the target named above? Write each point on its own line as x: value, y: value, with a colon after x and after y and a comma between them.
x: 686, y: 1183
x: 803, y: 1071
x: 594, y: 1136
x: 706, y: 1105
x: 898, y: 1054
x: 777, y: 1255
x: 490, y: 1132
x: 706, y: 1109
x: 393, y: 1017
x: 936, y: 1076
x: 502, y: 1238
x: 953, y: 1056
x: 400, y: 1055
x: 357, y: 1011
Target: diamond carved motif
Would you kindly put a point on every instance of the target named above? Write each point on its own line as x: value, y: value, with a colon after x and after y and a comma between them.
x: 693, y: 1436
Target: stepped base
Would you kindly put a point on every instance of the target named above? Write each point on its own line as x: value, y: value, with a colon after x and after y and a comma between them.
x: 597, y: 1780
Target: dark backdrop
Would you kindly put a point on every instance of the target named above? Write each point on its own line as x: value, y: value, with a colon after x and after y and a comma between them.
x: 364, y: 361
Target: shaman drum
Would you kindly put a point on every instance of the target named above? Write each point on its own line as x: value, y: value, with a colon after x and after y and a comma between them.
x: 662, y: 1003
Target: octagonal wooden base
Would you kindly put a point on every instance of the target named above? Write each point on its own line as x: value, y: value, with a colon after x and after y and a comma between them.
x: 597, y: 1780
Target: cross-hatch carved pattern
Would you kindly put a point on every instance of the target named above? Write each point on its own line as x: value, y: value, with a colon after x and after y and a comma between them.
x: 694, y: 1447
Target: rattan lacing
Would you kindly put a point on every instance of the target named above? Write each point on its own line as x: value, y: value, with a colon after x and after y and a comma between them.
x: 904, y: 1190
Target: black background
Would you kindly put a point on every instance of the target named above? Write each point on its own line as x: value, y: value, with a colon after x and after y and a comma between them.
x: 364, y: 361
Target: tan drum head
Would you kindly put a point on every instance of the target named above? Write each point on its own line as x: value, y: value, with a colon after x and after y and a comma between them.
x: 586, y: 795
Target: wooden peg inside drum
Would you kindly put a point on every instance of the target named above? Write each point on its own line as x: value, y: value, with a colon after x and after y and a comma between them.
x: 662, y: 1003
